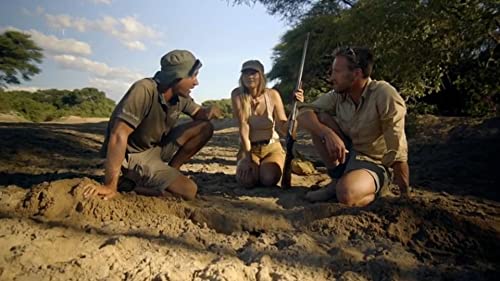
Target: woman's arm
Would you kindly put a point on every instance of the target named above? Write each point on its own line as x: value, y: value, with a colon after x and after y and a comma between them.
x: 280, y: 118
x: 244, y: 127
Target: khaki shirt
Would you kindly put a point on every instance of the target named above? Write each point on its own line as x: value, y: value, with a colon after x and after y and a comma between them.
x: 376, y: 126
x: 145, y: 110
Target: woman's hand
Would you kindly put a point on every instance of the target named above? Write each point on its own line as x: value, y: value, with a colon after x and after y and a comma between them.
x: 299, y: 95
x: 247, y: 170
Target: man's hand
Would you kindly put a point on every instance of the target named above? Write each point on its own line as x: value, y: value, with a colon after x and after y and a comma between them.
x: 334, y: 145
x: 104, y: 191
x: 214, y: 112
x: 402, y: 177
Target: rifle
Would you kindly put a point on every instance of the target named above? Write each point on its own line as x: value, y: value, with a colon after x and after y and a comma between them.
x: 290, y: 138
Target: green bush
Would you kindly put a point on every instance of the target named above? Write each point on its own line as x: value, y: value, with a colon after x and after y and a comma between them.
x: 47, y: 105
x: 224, y: 105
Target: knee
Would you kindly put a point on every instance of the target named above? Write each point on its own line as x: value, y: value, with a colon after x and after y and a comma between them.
x: 345, y: 195
x: 184, y: 187
x: 190, y: 191
x: 246, y: 182
x: 207, y: 129
x: 270, y: 178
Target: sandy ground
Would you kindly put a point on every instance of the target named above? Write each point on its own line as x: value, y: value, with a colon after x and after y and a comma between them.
x: 449, y: 230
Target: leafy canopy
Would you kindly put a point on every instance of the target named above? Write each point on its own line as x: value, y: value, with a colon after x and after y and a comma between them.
x: 18, y: 58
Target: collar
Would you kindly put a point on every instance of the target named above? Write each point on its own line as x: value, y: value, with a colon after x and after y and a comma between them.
x: 366, y: 90
x: 173, y: 101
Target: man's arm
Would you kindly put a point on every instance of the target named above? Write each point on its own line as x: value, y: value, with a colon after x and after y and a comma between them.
x: 402, y: 177
x: 392, y: 110
x: 334, y: 144
x: 207, y: 113
x: 117, y: 147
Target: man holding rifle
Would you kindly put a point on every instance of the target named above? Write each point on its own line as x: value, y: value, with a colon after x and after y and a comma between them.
x: 358, y: 131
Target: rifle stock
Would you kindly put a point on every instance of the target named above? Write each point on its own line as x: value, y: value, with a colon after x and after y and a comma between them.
x: 290, y: 136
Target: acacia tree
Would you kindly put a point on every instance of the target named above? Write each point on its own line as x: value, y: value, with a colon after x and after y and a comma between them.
x: 18, y: 57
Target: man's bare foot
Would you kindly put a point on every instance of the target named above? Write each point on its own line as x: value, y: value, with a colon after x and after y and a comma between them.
x: 324, y: 194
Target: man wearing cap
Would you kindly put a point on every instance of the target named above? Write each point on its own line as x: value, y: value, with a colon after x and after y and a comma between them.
x: 358, y: 131
x: 142, y: 142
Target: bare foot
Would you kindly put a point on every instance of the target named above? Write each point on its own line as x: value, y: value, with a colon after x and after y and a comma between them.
x: 324, y: 194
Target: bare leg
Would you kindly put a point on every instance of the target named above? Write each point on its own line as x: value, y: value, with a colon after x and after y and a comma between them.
x: 251, y: 178
x: 271, y: 169
x: 195, y: 135
x: 356, y: 188
x: 184, y: 187
x: 327, y: 192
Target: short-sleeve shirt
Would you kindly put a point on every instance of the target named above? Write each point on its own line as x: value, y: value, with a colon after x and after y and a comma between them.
x: 375, y: 126
x: 144, y: 109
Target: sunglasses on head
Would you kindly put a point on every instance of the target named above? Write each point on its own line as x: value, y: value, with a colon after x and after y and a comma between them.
x: 351, y: 54
x: 197, y: 65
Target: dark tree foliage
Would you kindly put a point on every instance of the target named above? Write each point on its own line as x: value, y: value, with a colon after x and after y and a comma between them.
x: 18, y: 58
x: 443, y: 52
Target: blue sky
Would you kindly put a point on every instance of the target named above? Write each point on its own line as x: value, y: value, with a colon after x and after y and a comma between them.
x: 108, y: 44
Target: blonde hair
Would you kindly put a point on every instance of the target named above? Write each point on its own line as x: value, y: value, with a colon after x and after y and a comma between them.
x: 245, y: 97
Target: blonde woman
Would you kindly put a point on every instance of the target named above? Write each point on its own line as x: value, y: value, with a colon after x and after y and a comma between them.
x: 261, y: 116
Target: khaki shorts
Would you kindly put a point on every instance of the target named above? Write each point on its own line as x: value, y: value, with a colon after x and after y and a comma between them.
x: 150, y: 168
x: 381, y: 175
x: 260, y: 152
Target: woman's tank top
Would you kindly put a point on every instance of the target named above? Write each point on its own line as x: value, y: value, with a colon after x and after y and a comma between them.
x: 262, y: 126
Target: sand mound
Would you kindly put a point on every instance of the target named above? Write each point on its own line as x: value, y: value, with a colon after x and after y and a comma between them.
x: 12, y: 118
x: 78, y: 120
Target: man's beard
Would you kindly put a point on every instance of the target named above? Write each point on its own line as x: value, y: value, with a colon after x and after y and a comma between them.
x: 343, y: 90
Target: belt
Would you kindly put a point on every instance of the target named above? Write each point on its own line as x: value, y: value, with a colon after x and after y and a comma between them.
x: 263, y: 142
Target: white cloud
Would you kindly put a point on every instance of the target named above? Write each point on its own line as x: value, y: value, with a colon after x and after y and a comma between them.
x: 54, y: 45
x: 108, y: 2
x: 26, y: 12
x: 128, y: 30
x: 23, y: 88
x: 114, y: 89
x: 135, y: 45
x: 99, y: 69
x: 39, y: 10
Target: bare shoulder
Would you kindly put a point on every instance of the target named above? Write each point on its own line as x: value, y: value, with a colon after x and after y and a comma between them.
x: 275, y: 95
x: 235, y: 92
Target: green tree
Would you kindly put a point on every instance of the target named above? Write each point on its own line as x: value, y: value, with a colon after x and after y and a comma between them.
x: 224, y: 105
x: 18, y: 57
x: 46, y: 105
x: 426, y: 49
x: 294, y: 10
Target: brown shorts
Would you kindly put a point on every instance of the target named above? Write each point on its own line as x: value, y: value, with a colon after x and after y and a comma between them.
x: 260, y: 152
x: 150, y: 168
